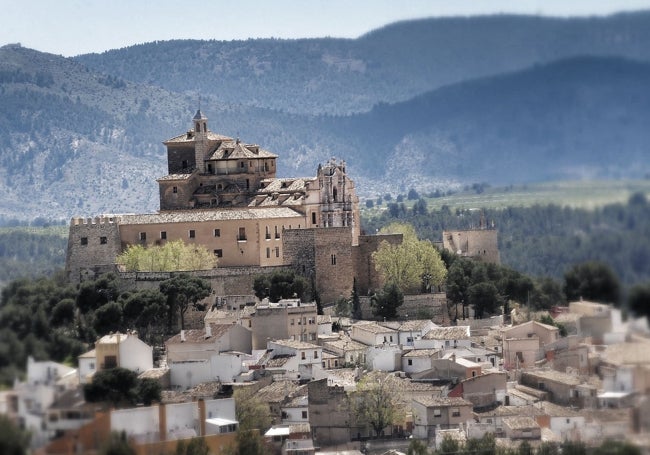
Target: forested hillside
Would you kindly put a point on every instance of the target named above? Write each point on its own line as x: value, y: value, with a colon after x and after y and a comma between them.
x: 391, y: 64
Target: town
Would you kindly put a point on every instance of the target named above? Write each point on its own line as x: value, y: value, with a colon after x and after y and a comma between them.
x: 305, y: 337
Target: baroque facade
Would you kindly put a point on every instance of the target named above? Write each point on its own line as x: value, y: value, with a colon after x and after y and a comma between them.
x: 223, y: 194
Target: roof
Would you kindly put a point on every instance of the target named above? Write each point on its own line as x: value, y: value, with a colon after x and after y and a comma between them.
x: 422, y: 353
x: 194, y: 216
x: 460, y: 332
x: 190, y: 137
x: 296, y: 344
x: 236, y: 150
x: 373, y: 327
x: 634, y: 353
x: 88, y: 355
x: 220, y: 422
x: 552, y: 375
x: 415, y: 325
x: 280, y: 391
x: 520, y: 422
x: 199, y: 335
x: 442, y: 401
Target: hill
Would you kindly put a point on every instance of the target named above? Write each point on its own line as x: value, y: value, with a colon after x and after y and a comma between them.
x: 391, y: 64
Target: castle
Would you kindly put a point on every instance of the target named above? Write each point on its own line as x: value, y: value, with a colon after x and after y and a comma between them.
x: 223, y: 194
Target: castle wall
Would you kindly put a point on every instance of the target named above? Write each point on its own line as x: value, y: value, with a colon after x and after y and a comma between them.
x: 93, y: 244
x: 179, y: 160
x: 478, y: 244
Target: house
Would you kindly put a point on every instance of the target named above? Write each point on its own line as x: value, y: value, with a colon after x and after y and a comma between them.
x: 449, y: 369
x: 216, y: 353
x: 288, y: 319
x: 294, y: 439
x: 417, y: 360
x: 433, y: 413
x: 329, y: 413
x: 296, y: 410
x: 566, y: 423
x: 373, y: 334
x: 69, y: 411
x: 385, y: 357
x: 521, y: 427
x: 562, y: 388
x: 278, y: 394
x: 124, y: 350
x: 347, y: 351
x: 492, y: 421
x: 445, y: 338
x: 525, y: 344
x: 483, y: 391
x: 625, y: 367
x: 412, y: 330
x: 304, y: 357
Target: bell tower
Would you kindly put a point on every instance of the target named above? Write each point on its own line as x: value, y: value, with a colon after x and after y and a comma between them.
x: 200, y: 140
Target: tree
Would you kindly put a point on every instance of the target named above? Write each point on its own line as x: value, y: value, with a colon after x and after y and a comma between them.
x: 117, y: 444
x: 342, y: 308
x: 592, y: 280
x: 411, y: 265
x: 252, y: 412
x: 458, y: 283
x: 13, y: 440
x: 196, y: 446
x: 116, y: 386
x: 148, y: 391
x: 385, y: 303
x: 375, y: 402
x: 184, y: 290
x: 639, y: 300
x: 282, y: 284
x: 146, y: 311
x: 485, y: 298
x: 610, y: 447
x: 449, y: 445
x: 173, y: 256
x: 356, y: 301
x: 546, y: 294
x: 417, y: 447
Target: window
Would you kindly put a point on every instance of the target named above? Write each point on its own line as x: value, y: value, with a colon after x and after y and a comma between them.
x: 277, y: 251
x: 292, y: 321
x: 192, y: 233
x: 184, y: 164
x: 437, y: 412
x: 217, y: 232
x: 84, y: 240
x: 455, y: 412
x: 267, y: 234
x: 91, y: 366
x: 304, y: 414
x: 302, y: 355
x: 110, y: 361
x: 313, y: 217
x: 103, y: 240
x: 163, y: 235
x: 175, y: 189
x: 268, y: 253
x: 242, y: 235
x: 143, y: 236
x: 333, y: 258
x: 410, y: 361
x: 277, y: 233
x: 315, y: 354
x: 218, y: 253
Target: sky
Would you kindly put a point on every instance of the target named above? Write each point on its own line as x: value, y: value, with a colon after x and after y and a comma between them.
x: 73, y: 27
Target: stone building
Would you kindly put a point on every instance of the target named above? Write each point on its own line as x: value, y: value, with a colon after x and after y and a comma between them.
x: 478, y: 244
x: 223, y: 194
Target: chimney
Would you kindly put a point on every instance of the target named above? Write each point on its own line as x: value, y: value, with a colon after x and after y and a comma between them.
x: 182, y: 335
x: 208, y: 330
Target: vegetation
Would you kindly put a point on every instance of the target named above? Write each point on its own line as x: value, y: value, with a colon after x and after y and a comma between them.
x: 282, y: 284
x: 386, y: 302
x: 412, y: 265
x: 117, y: 444
x: 593, y: 281
x: 173, y: 256
x: 375, y: 403
x: 183, y: 291
x: 13, y: 440
x: 254, y: 418
x: 121, y: 387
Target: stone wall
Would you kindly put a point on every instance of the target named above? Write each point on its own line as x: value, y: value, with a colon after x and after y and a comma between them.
x: 93, y: 245
x: 418, y: 306
x: 478, y: 244
x: 329, y: 415
x: 368, y: 279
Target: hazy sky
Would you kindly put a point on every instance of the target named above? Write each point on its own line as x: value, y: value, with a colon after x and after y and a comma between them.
x: 72, y: 27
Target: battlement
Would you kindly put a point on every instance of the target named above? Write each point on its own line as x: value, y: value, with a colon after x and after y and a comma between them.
x: 103, y: 219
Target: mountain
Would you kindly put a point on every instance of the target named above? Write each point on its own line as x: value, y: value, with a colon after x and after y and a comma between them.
x: 391, y: 64
x: 82, y: 136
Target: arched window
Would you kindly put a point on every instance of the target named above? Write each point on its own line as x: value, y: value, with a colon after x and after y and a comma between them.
x: 334, y: 193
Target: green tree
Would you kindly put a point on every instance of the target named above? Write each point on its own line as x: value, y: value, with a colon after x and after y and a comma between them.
x: 252, y: 412
x: 411, y: 265
x: 573, y: 448
x: 13, y: 441
x: 484, y: 297
x: 116, y: 385
x: 375, y: 402
x: 611, y: 447
x: 386, y: 302
x: 195, y: 446
x: 146, y: 311
x: 148, y: 391
x: 639, y: 300
x: 282, y: 284
x: 592, y: 280
x: 183, y: 291
x: 174, y: 256
x: 449, y: 446
x: 458, y: 282
x: 417, y: 447
x: 108, y: 318
x: 546, y: 294
x: 342, y: 308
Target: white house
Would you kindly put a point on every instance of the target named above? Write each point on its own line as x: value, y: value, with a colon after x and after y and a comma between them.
x: 384, y: 358
x: 417, y: 360
x: 445, y: 338
x: 306, y: 356
x: 296, y: 411
x: 413, y: 330
x: 373, y: 334
x: 124, y: 350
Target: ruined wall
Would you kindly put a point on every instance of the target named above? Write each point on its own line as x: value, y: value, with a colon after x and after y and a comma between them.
x: 478, y: 244
x: 329, y: 414
x: 93, y: 244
